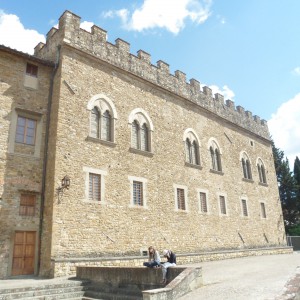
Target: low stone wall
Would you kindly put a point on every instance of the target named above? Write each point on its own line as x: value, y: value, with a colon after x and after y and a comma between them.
x: 182, y: 280
x: 185, y: 282
x: 67, y: 266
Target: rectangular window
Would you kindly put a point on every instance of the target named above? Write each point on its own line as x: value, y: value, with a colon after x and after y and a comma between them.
x: 263, y: 210
x: 27, y: 205
x: 244, y: 208
x: 31, y: 70
x: 180, y: 199
x: 222, y: 205
x: 25, y: 133
x: 203, y: 202
x: 94, y: 187
x: 137, y: 193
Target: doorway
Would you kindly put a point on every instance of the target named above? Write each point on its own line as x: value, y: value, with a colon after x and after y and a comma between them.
x: 23, y: 253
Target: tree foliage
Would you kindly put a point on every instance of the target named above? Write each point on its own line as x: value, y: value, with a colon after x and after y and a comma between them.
x: 297, y: 176
x: 288, y: 188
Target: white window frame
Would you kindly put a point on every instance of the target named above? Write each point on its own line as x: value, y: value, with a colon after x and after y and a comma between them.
x: 16, y: 112
x: 213, y: 143
x: 141, y: 117
x: 226, y: 204
x: 102, y: 173
x: 144, y: 181
x: 199, y: 201
x: 191, y: 134
x: 261, y: 163
x: 185, y: 189
x: 103, y: 104
x: 244, y: 155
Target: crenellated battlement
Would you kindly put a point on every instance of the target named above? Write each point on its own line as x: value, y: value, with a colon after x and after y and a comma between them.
x: 118, y: 54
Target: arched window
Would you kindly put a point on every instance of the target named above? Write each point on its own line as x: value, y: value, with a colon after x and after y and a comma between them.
x: 95, y: 122
x: 135, y: 135
x: 191, y: 147
x: 141, y: 130
x: 261, y: 171
x: 144, y: 138
x: 187, y: 150
x: 246, y: 165
x: 215, y: 155
x: 106, y: 126
x: 194, y: 153
x: 102, y: 117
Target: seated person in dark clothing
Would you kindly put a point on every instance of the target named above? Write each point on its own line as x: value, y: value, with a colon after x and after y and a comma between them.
x: 171, y: 261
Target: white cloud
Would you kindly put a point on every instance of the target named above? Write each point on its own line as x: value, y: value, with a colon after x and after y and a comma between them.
x: 168, y: 14
x: 296, y: 71
x: 86, y: 25
x: 284, y: 127
x: 225, y: 91
x: 14, y: 35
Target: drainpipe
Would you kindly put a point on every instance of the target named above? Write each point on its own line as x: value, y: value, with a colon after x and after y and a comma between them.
x: 45, y: 157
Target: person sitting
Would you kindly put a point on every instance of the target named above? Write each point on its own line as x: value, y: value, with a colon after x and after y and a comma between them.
x: 154, y: 258
x: 171, y: 261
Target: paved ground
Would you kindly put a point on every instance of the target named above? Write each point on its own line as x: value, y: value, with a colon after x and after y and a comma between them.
x: 248, y: 278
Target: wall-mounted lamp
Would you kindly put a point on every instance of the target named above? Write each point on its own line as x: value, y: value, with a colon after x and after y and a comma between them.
x: 65, y: 184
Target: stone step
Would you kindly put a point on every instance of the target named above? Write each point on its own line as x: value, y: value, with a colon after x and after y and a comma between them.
x: 110, y: 296
x: 41, y: 286
x: 52, y: 296
x: 66, y: 290
x: 121, y: 290
x: 65, y: 296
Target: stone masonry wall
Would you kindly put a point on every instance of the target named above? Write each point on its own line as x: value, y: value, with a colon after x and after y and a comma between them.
x: 68, y: 266
x: 113, y: 227
x: 20, y: 170
x: 95, y: 43
x: 78, y: 228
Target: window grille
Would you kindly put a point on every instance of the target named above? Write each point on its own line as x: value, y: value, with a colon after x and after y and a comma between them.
x: 244, y: 208
x: 203, y: 202
x: 137, y: 193
x: 94, y: 187
x: 25, y: 131
x: 180, y: 199
x: 27, y: 205
x: 222, y: 205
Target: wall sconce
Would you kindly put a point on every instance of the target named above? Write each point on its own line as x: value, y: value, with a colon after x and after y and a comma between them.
x: 65, y: 184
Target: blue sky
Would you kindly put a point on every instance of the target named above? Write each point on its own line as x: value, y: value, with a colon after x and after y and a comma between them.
x: 249, y: 51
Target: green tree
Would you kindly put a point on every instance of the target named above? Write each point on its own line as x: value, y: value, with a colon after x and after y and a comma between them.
x: 287, y: 188
x: 297, y: 176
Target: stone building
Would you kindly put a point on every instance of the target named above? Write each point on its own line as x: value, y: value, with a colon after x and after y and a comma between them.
x: 104, y: 153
